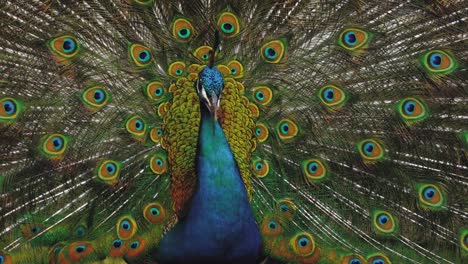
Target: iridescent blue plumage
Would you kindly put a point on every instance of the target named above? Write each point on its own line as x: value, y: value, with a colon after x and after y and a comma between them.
x: 212, y: 80
x: 219, y: 226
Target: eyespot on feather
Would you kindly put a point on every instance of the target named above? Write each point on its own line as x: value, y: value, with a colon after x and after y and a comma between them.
x: 182, y: 30
x: 287, y: 129
x: 54, y: 146
x: 438, y: 62
x: 140, y: 55
x: 273, y: 51
x: 353, y: 39
x: 136, y: 126
x: 158, y: 163
x: 154, y: 213
x: 65, y: 46
x: 10, y: 109
x: 126, y: 227
x: 383, y: 222
x: 228, y: 24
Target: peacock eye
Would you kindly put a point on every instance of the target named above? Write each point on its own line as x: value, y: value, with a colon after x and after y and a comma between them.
x: 273, y: 51
x: 80, y: 249
x: 332, y: 96
x: 431, y: 196
x: 287, y: 129
x: 271, y: 227
x: 439, y: 62
x: 140, y: 55
x: 286, y: 208
x: 158, y: 163
x: 263, y: 95
x: 355, y: 261
x: 154, y: 213
x: 9, y: 109
x: 117, y: 243
x: 203, y: 53
x: 95, y: 97
x: 155, y: 91
x: 261, y: 132
x: 353, y: 39
x: 384, y: 222
x: 108, y: 171
x: 370, y: 150
x: 314, y: 170
x: 236, y: 69
x: 134, y: 244
x: 126, y: 227
x: 182, y: 29
x: 64, y: 46
x: 176, y: 69
x: 228, y: 23
x: 303, y: 244
x: 54, y: 145
x: 260, y: 167
x: 135, y: 126
x: 412, y: 110
x: 378, y: 259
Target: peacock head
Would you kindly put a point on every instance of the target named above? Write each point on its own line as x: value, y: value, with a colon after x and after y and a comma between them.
x: 209, y: 85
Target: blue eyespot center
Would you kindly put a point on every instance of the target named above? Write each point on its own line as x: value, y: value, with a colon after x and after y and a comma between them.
x: 368, y: 148
x: 178, y: 72
x: 270, y: 53
x: 409, y: 106
x: 144, y: 56
x: 117, y: 243
x: 313, y: 166
x: 284, y: 128
x: 355, y: 261
x: 429, y: 193
x: 350, y: 38
x: 80, y: 249
x: 158, y: 91
x: 383, y: 219
x: 125, y: 225
x: 258, y: 131
x: 160, y: 132
x: 135, y: 244
x: 68, y: 45
x: 233, y: 71
x: 99, y: 95
x: 258, y: 166
x: 272, y: 225
x: 155, y: 211
x: 260, y: 96
x: 2, y: 259
x: 9, y: 107
x: 378, y: 261
x: 435, y: 60
x: 111, y: 168
x: 139, y: 125
x: 57, y: 142
x: 227, y: 27
x: 303, y: 242
x: 184, y: 33
x: 159, y: 162
x: 204, y: 56
x: 284, y: 208
x: 328, y: 95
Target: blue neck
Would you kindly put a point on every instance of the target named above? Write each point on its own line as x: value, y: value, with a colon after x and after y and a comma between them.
x: 219, y: 225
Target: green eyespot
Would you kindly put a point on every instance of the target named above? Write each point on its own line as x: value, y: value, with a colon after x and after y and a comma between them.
x: 438, y: 62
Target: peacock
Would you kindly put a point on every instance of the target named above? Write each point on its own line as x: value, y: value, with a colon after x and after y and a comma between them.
x: 202, y: 131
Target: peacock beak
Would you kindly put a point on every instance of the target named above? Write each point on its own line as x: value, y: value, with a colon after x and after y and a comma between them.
x: 212, y: 101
